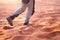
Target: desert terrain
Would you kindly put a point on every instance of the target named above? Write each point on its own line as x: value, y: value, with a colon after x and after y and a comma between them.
x: 44, y: 24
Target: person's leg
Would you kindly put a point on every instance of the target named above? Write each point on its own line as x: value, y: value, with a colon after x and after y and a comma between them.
x: 18, y: 11
x: 15, y: 14
x: 30, y: 11
x: 33, y: 7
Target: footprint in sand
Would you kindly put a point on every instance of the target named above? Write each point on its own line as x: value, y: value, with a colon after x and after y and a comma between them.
x: 27, y: 31
x: 8, y: 27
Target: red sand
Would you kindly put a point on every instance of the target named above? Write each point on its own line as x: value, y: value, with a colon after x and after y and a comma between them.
x: 44, y: 24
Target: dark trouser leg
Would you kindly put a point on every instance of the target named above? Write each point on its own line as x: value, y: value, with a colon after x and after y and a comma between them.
x: 15, y: 14
x: 33, y: 7
x: 18, y: 11
x: 30, y: 11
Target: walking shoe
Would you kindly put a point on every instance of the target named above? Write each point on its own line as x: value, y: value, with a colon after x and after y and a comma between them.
x: 26, y: 23
x: 10, y: 21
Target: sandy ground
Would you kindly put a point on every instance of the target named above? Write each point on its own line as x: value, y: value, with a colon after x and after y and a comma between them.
x: 44, y: 24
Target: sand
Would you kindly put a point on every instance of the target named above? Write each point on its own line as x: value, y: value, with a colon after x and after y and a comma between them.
x: 44, y: 24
